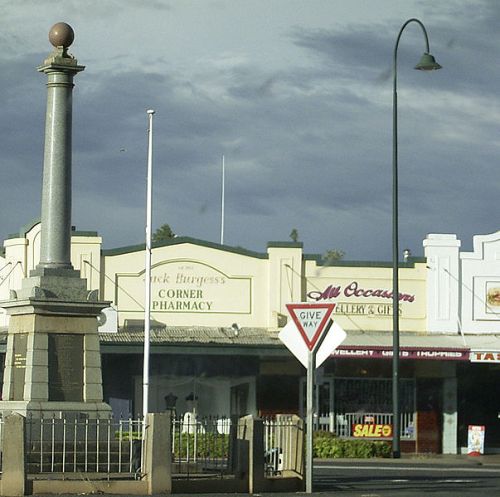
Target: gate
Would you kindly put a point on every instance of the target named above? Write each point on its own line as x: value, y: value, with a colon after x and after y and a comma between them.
x: 223, y: 455
x: 201, y: 446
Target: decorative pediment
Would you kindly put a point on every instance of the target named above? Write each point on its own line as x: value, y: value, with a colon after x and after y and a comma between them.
x: 485, y: 247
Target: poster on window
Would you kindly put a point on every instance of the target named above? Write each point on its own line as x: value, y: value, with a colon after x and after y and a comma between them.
x: 475, y: 440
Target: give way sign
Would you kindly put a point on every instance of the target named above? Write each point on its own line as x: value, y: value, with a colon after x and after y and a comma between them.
x: 310, y: 320
x: 311, y: 330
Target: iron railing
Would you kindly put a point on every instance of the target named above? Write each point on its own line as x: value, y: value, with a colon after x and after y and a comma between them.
x: 102, y: 445
x: 342, y: 423
x: 283, y: 444
x: 200, y: 445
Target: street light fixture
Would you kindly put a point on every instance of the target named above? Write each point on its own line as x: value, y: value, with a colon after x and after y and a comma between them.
x: 426, y: 63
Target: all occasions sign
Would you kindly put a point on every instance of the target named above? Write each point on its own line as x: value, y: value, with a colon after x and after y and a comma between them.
x: 367, y: 297
x: 356, y: 289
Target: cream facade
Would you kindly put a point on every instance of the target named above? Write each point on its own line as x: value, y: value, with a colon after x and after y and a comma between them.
x: 203, y: 284
x: 216, y: 313
x: 464, y: 287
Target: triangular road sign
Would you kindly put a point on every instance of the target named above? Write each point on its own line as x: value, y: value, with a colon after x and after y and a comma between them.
x: 294, y: 342
x: 311, y: 320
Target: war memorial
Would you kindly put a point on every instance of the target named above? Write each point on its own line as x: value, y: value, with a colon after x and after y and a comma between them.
x: 53, y: 361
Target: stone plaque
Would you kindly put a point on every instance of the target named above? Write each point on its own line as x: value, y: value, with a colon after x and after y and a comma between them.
x: 19, y: 366
x: 65, y: 367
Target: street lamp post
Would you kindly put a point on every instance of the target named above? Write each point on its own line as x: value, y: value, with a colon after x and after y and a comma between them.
x: 427, y: 63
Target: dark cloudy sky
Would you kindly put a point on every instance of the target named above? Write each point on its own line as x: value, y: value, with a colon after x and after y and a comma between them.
x: 297, y: 94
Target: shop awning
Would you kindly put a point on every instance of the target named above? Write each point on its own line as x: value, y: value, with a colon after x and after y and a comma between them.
x: 420, y: 347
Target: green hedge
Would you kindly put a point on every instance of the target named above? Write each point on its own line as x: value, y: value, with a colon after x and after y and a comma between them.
x: 327, y: 446
x: 211, y: 445
x: 125, y: 435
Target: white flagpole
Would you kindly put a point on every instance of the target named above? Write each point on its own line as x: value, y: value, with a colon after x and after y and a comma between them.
x: 147, y: 281
x: 222, y: 203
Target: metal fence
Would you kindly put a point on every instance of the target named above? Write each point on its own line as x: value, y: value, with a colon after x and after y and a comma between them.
x: 200, y: 445
x: 283, y: 444
x: 342, y: 423
x: 107, y: 446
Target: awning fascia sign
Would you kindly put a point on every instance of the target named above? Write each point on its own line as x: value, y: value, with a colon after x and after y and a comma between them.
x: 409, y: 353
x: 485, y: 356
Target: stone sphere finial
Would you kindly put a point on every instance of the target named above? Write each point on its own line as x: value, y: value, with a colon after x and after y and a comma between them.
x: 61, y: 35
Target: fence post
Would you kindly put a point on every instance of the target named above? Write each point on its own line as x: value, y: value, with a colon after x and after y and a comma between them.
x: 252, y: 432
x: 158, y: 453
x: 257, y: 479
x: 13, y: 463
x: 331, y: 420
x: 296, y: 450
x: 233, y: 458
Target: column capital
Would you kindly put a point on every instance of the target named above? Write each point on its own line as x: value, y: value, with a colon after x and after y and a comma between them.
x: 60, y: 60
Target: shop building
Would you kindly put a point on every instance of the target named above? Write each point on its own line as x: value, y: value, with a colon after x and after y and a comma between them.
x: 217, y: 311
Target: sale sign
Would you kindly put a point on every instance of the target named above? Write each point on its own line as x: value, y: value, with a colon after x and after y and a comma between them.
x: 361, y: 430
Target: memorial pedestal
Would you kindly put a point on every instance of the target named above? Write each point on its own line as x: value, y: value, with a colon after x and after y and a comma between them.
x: 53, y: 361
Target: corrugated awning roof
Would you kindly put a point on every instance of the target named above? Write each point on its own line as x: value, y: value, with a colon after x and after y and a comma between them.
x: 264, y: 337
x: 197, y: 335
x: 267, y: 337
x: 419, y: 340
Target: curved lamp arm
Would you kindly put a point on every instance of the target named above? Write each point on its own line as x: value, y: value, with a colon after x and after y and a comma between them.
x: 427, y: 50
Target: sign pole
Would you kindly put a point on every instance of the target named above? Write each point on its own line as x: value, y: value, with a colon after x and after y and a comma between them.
x: 305, y: 337
x: 311, y: 373
x: 309, y: 420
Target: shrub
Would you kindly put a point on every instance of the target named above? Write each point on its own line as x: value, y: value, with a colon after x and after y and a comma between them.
x: 327, y: 446
x: 211, y: 445
x: 127, y: 435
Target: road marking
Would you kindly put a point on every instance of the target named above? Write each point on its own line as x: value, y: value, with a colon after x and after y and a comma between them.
x: 456, y: 481
x: 410, y: 468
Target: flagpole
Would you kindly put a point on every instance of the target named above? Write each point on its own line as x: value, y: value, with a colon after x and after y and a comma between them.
x: 222, y: 202
x: 147, y: 276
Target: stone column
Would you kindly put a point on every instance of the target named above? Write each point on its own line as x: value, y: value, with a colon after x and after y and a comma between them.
x: 60, y: 68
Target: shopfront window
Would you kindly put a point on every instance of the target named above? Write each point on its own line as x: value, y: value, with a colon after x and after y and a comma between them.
x: 359, y: 395
x: 371, y: 395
